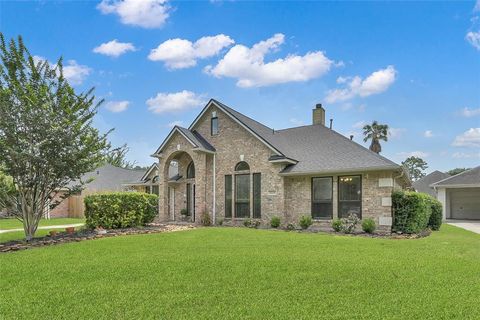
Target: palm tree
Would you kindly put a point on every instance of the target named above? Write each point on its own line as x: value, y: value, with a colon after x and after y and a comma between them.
x: 375, y: 132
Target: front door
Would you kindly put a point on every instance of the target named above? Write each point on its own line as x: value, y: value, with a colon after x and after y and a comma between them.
x: 191, y: 200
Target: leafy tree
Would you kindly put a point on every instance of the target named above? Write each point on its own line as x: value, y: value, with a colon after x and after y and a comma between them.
x: 117, y: 157
x: 46, y: 135
x: 415, y: 167
x: 7, y: 191
x: 456, y: 171
x: 375, y: 132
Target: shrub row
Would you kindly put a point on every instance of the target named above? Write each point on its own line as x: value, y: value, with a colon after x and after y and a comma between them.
x: 413, y: 212
x: 120, y: 209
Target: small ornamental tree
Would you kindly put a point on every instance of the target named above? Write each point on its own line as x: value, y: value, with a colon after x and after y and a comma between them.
x: 46, y: 135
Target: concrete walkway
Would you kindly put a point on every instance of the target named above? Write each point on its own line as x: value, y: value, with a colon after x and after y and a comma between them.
x: 469, y: 225
x: 60, y: 226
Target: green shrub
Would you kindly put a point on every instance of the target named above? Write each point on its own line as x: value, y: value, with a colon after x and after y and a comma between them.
x: 305, y: 222
x: 184, y: 212
x: 435, y: 221
x: 275, y: 222
x: 120, y: 209
x: 249, y: 223
x: 220, y: 221
x: 368, y: 225
x: 411, y: 211
x: 205, y: 219
x: 350, y: 223
x: 337, y: 225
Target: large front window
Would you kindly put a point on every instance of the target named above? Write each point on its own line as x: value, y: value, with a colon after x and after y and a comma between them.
x: 242, y: 195
x: 349, y: 196
x: 322, y: 205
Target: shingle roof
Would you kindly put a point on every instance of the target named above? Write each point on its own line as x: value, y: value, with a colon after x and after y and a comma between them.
x: 423, y: 184
x: 316, y: 148
x: 109, y: 178
x: 466, y: 178
x: 197, y: 139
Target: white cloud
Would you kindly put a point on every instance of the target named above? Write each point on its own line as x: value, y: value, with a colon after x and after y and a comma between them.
x: 477, y: 6
x: 419, y: 154
x: 470, y: 138
x: 117, y: 106
x: 143, y: 13
x: 474, y: 39
x: 114, y: 48
x: 75, y: 73
x: 396, y: 133
x: 462, y: 155
x: 428, y: 134
x: 175, y: 102
x: 175, y: 123
x: 466, y: 112
x: 377, y: 82
x: 247, y: 65
x: 180, y: 53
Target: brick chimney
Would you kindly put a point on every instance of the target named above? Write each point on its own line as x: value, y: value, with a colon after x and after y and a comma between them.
x: 318, y: 115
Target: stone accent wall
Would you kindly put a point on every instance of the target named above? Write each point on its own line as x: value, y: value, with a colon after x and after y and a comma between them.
x: 298, y: 195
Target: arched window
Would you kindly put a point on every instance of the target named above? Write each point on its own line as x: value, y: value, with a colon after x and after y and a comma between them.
x: 191, y: 170
x: 242, y: 166
x: 155, y: 179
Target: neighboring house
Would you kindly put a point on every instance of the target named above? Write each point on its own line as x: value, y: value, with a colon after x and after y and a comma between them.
x: 103, y: 179
x: 234, y: 167
x: 424, y: 184
x: 148, y: 182
x: 460, y: 195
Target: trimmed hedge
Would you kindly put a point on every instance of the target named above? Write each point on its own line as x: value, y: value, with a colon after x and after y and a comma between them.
x: 120, y: 209
x: 435, y: 221
x: 412, y: 212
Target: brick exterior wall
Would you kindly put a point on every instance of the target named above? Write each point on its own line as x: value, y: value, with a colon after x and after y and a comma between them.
x: 62, y: 209
x: 288, y: 197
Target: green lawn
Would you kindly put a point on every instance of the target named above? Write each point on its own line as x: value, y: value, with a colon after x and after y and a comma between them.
x: 238, y: 273
x: 7, y: 224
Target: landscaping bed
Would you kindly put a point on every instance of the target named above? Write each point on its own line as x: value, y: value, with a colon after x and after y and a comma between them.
x: 87, y: 234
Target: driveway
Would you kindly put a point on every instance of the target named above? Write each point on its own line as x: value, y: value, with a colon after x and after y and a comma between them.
x: 469, y: 225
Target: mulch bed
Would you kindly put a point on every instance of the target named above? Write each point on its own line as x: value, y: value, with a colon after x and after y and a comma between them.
x: 86, y: 234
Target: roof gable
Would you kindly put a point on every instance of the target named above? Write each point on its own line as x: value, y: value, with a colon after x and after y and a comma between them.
x: 467, y: 178
x: 423, y: 184
x: 193, y: 137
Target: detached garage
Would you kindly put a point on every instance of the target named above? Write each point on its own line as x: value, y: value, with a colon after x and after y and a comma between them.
x: 460, y: 195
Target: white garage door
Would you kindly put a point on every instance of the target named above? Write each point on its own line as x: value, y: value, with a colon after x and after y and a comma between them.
x: 465, y: 203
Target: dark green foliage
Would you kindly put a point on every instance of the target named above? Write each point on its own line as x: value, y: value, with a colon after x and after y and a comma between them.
x: 411, y: 211
x: 368, y: 225
x: 305, y: 222
x: 120, y: 209
x: 205, y: 219
x: 220, y: 222
x: 275, y: 222
x: 456, y: 171
x: 375, y: 132
x: 435, y: 221
x: 337, y: 225
x: 184, y: 212
x: 117, y: 157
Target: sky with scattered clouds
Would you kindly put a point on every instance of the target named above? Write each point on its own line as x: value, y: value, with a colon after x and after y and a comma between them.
x: 413, y: 66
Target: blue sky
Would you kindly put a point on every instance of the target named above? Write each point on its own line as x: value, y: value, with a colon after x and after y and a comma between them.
x: 414, y: 66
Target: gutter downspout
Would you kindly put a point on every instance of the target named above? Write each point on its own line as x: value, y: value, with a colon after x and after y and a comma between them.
x: 214, y: 190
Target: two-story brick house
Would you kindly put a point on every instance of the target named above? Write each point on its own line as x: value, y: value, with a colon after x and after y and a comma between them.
x: 234, y: 167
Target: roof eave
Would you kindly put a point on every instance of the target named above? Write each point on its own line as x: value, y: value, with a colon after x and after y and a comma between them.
x: 332, y: 171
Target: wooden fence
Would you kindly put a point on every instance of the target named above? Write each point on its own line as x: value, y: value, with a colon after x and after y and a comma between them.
x: 76, y: 208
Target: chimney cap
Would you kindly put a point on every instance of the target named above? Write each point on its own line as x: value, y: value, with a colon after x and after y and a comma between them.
x: 318, y: 106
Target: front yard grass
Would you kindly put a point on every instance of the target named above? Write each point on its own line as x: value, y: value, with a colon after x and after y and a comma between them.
x: 12, y: 223
x: 238, y: 273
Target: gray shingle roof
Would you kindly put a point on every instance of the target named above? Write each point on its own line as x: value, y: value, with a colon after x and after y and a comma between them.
x: 197, y: 139
x: 316, y: 148
x: 423, y: 184
x: 109, y: 178
x: 466, y: 178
